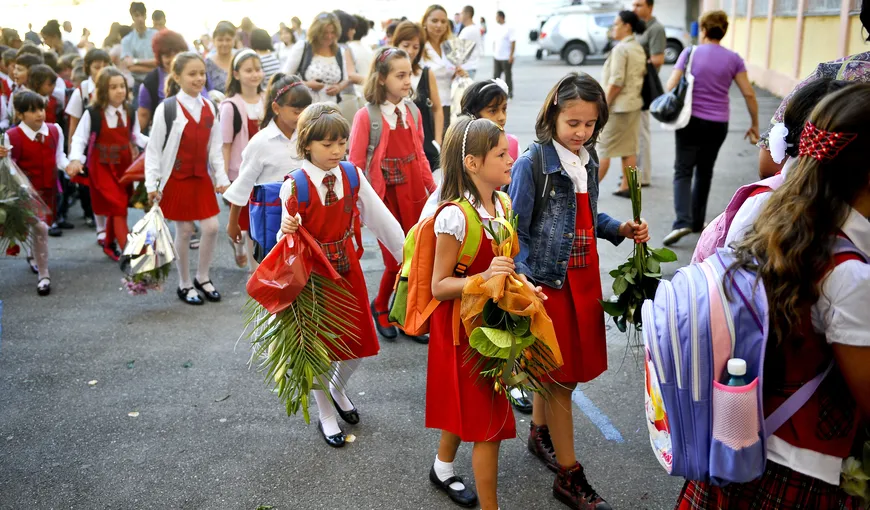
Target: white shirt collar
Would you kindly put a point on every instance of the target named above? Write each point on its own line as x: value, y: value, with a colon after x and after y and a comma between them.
x: 390, y: 108
x: 31, y: 134
x: 857, y: 228
x: 481, y: 210
x: 568, y: 158
x: 273, y: 131
x: 189, y: 102
x: 316, y: 174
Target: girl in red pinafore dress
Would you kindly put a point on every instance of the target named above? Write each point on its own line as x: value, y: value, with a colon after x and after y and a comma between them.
x: 331, y: 215
x: 476, y: 163
x: 178, y: 167
x: 106, y: 138
x: 240, y: 115
x: 568, y: 125
x: 42, y: 79
x: 397, y: 168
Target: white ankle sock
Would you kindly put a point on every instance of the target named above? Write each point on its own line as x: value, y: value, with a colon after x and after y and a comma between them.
x: 444, y: 470
x: 328, y: 416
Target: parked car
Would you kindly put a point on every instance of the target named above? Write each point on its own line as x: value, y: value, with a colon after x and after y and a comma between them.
x: 579, y: 33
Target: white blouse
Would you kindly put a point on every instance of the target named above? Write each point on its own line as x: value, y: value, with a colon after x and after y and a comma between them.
x: 574, y: 166
x: 443, y: 71
x: 373, y: 213
x: 388, y: 111
x: 268, y: 157
x: 76, y: 107
x: 79, y: 146
x: 451, y: 220
x: 321, y: 68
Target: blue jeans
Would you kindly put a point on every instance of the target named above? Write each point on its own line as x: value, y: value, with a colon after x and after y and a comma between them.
x: 698, y: 146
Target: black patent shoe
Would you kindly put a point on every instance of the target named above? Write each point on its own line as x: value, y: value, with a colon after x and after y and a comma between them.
x: 183, y: 294
x: 213, y: 296
x: 351, y: 416
x: 389, y: 332
x: 64, y: 224
x: 465, y: 497
x: 336, y: 441
x: 43, y: 286
x: 422, y: 339
x: 522, y: 404
x: 55, y: 231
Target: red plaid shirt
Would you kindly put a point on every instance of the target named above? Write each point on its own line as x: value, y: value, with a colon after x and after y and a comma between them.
x: 581, y: 249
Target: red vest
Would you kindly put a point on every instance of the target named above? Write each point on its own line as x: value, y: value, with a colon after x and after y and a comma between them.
x: 828, y: 422
x: 37, y: 160
x: 192, y: 157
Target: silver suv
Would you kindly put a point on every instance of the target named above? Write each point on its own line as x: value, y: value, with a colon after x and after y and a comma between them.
x: 580, y: 32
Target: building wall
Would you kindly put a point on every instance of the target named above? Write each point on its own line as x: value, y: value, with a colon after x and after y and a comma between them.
x: 821, y: 39
x: 758, y: 32
x: 782, y: 55
x: 857, y: 43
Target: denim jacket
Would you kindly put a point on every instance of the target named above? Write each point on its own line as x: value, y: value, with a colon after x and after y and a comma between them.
x: 545, y: 247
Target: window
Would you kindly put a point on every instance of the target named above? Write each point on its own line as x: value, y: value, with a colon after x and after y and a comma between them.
x: 856, y: 6
x: 605, y: 21
x: 786, y: 7
x: 760, y: 8
x: 823, y: 6
x: 741, y: 8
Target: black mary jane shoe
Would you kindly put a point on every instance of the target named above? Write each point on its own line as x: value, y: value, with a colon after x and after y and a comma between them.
x: 64, y: 224
x: 351, y: 416
x: 32, y: 263
x: 55, y: 231
x: 183, y: 295
x: 213, y: 296
x: 465, y: 497
x: 43, y: 290
x: 522, y: 404
x: 335, y: 441
x: 388, y: 333
x: 422, y: 339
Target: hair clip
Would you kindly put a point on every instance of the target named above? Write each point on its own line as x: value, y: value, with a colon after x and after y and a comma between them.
x: 497, y: 82
x: 386, y: 53
x: 559, y: 86
x: 244, y: 53
x: 823, y: 145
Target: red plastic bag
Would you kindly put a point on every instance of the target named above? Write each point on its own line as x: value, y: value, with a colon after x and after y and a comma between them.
x: 135, y: 172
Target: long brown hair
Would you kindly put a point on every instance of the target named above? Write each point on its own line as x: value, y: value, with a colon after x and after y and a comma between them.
x: 432, y: 8
x: 375, y: 91
x: 790, y: 245
x: 407, y: 31
x: 483, y: 135
x: 571, y: 87
x: 178, y: 64
x: 103, y: 79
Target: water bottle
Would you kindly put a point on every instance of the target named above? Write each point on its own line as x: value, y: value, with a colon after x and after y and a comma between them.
x: 736, y: 371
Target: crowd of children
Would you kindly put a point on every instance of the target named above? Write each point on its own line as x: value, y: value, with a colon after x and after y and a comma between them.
x: 375, y: 171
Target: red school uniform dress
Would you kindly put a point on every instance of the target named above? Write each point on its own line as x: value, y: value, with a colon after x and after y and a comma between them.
x: 575, y: 308
x: 109, y: 156
x: 245, y: 215
x: 189, y: 191
x: 457, y: 400
x: 38, y: 160
x: 334, y: 226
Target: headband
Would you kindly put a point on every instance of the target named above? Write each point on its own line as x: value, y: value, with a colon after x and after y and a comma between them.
x: 497, y: 82
x: 244, y: 53
x: 387, y: 52
x: 823, y: 145
x: 283, y: 90
x: 465, y: 139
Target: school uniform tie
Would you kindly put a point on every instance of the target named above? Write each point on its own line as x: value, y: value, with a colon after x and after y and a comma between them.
x: 331, y: 197
x: 400, y: 122
x: 120, y: 119
x: 39, y: 137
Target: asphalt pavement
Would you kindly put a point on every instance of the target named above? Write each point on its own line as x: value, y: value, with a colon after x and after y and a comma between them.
x: 208, y: 435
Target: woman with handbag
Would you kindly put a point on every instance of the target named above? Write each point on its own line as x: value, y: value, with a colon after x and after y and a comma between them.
x: 622, y: 80
x: 713, y: 68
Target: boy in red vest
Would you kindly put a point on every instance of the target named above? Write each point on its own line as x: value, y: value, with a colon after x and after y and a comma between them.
x: 36, y: 147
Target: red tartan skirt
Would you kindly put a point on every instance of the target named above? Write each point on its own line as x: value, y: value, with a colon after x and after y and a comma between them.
x: 779, y: 488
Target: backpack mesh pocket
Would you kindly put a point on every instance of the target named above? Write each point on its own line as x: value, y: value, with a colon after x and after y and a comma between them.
x: 736, y: 423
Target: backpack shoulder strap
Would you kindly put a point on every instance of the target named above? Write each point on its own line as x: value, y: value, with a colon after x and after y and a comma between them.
x: 473, y: 236
x: 505, y: 200
x: 170, y: 112
x: 376, y: 126
x: 237, y: 120
x: 351, y: 174
x: 300, y: 185
x: 415, y: 111
x: 96, y: 120
x: 307, y: 55
x: 131, y: 120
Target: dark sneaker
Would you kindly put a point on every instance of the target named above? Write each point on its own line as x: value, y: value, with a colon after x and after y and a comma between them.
x: 675, y: 235
x: 572, y: 488
x: 541, y: 446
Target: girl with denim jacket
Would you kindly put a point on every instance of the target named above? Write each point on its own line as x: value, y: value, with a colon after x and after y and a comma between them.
x: 558, y: 249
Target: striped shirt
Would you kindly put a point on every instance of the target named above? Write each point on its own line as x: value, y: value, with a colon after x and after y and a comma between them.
x: 271, y: 65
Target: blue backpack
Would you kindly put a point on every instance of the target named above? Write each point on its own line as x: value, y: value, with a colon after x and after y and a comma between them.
x: 701, y: 429
x: 265, y: 204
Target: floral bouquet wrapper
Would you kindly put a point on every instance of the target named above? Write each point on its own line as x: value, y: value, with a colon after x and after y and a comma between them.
x: 149, y: 253
x: 20, y: 208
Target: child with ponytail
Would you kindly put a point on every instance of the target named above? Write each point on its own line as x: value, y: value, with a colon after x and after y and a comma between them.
x: 811, y: 251
x: 184, y: 167
x: 271, y: 154
x: 240, y: 115
x: 396, y: 166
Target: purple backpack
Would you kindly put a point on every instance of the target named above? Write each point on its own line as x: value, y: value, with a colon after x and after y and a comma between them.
x: 714, y: 235
x: 701, y: 429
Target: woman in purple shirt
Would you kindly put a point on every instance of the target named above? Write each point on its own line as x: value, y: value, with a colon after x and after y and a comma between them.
x: 698, y: 144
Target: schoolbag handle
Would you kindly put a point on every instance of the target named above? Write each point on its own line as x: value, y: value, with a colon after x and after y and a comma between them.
x: 784, y: 412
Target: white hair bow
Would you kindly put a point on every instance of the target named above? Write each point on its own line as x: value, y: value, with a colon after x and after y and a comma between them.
x: 777, y: 142
x: 499, y: 83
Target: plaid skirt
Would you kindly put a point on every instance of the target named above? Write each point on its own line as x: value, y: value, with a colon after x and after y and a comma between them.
x: 779, y: 488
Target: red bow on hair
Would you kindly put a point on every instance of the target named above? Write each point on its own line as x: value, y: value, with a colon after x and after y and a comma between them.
x: 823, y: 145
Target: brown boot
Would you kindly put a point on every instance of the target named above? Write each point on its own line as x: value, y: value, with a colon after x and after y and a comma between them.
x: 541, y: 446
x: 572, y: 488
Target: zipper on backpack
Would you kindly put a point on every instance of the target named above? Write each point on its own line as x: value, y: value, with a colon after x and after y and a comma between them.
x: 650, y: 333
x: 675, y: 342
x: 693, y: 325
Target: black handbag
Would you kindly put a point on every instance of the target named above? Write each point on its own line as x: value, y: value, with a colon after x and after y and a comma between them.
x: 424, y: 103
x: 652, y: 85
x: 667, y: 107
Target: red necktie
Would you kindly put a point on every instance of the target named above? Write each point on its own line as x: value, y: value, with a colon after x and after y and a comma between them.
x: 120, y: 119
x: 400, y: 122
x: 39, y: 137
x: 331, y: 197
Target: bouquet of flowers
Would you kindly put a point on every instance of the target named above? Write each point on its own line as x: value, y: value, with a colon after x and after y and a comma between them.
x: 457, y: 51
x: 20, y: 208
x: 509, y: 332
x: 149, y: 254
x: 299, y: 312
x: 638, y: 278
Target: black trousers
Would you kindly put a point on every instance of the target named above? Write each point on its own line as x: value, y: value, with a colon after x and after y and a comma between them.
x: 504, y: 66
x: 698, y: 146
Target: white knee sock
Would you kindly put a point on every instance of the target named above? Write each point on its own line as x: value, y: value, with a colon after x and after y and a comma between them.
x: 40, y: 248
x: 100, y: 222
x: 327, y: 414
x: 207, y: 245
x: 342, y: 372
x: 444, y: 470
x: 183, y: 231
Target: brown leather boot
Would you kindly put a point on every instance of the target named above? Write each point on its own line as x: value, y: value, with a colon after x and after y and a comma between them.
x: 541, y: 446
x: 572, y: 488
